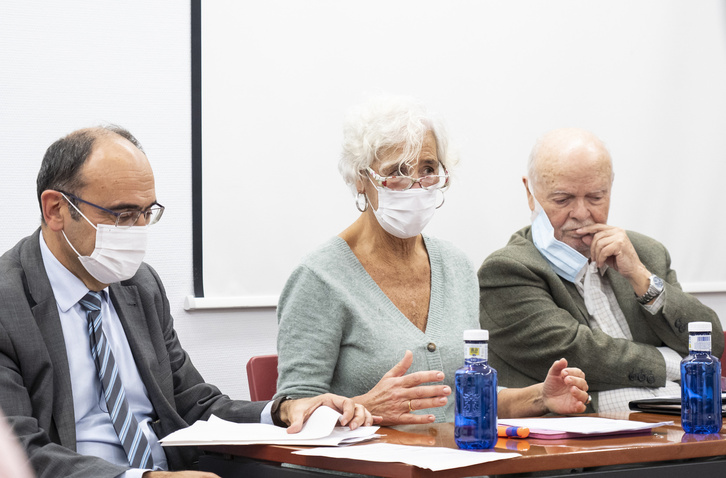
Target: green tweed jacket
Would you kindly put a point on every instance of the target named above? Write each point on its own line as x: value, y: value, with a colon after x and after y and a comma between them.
x: 534, y: 317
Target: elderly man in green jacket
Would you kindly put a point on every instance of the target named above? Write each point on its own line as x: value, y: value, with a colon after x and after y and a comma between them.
x: 571, y: 285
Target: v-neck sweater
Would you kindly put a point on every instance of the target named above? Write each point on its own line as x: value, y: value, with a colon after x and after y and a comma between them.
x: 339, y: 333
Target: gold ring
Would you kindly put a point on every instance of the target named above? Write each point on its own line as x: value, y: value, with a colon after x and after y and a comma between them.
x: 589, y: 399
x: 410, y: 408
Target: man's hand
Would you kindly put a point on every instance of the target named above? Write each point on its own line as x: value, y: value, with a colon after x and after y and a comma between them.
x: 565, y: 389
x: 397, y: 394
x: 296, y: 412
x: 178, y: 474
x: 611, y: 245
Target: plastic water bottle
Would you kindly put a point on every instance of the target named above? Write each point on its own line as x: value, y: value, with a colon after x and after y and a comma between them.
x: 475, y: 424
x: 700, y: 383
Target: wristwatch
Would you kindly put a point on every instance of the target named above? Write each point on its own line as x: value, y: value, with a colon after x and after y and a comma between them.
x: 654, y: 290
x: 275, y: 412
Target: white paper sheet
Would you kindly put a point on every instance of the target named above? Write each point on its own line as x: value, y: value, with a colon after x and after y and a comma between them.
x: 433, y: 458
x: 319, y: 430
x: 573, y: 426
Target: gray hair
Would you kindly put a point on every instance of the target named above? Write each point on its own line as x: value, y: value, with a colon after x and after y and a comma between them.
x: 386, y: 122
x: 61, y: 166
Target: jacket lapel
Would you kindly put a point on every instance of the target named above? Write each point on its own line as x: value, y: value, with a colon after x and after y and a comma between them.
x: 578, y: 301
x: 579, y: 311
x: 127, y: 303
x: 45, y: 312
x: 625, y: 296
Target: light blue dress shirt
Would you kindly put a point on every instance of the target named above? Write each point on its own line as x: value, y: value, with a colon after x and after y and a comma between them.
x: 95, y: 434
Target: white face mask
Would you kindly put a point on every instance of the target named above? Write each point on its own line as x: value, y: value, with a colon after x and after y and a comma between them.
x: 405, y: 213
x: 567, y: 262
x: 118, y: 252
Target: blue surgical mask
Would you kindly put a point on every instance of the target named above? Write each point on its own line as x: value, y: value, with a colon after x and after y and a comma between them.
x: 564, y: 260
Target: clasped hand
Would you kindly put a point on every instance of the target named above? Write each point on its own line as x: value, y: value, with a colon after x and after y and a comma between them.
x: 396, y: 395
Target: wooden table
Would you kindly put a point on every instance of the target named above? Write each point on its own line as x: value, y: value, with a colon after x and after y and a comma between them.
x: 665, y: 452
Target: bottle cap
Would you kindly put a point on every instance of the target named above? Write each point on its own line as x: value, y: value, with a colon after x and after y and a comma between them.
x: 700, y: 327
x: 477, y: 335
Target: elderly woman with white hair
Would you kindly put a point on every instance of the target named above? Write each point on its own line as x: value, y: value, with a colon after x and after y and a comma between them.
x: 377, y: 313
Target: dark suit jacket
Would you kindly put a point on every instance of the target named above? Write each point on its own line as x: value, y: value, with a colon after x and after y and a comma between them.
x: 35, y: 385
x: 534, y: 317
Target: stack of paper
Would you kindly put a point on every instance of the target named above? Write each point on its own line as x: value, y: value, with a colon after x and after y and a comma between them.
x: 320, y: 430
x: 433, y: 458
x: 579, y: 427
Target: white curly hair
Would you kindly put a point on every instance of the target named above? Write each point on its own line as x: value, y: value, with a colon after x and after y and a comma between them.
x: 383, y: 123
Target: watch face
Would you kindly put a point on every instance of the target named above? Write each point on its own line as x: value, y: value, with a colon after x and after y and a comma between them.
x: 654, y: 290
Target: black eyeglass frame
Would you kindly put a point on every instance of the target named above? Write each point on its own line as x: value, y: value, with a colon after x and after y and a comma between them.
x: 118, y: 215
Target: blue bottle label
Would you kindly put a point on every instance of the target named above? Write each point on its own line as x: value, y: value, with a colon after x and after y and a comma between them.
x: 477, y: 350
x: 699, y: 342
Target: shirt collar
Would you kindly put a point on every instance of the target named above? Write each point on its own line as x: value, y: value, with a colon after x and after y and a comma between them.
x: 67, y: 288
x: 591, y: 267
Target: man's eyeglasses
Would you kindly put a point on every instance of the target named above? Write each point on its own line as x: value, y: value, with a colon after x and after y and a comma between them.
x: 402, y: 183
x: 125, y: 219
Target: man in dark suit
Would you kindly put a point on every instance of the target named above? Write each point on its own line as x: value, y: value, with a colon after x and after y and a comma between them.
x: 574, y: 286
x: 91, y: 371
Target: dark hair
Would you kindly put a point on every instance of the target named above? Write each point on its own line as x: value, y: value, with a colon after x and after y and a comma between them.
x: 64, y: 158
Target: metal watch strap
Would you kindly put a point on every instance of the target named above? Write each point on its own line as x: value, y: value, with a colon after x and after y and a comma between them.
x: 653, y: 290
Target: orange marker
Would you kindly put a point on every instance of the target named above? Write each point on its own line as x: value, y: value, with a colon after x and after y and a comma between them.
x: 511, y: 444
x: 515, y: 432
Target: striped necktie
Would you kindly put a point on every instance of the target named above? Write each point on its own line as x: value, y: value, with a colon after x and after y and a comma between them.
x: 128, y: 430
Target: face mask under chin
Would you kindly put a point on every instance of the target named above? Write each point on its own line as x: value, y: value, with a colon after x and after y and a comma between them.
x: 566, y: 261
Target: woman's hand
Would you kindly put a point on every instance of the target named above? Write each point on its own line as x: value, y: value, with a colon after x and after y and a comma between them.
x: 396, y: 394
x: 565, y: 389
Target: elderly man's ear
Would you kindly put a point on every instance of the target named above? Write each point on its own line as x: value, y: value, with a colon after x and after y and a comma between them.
x: 53, y: 204
x: 530, y: 198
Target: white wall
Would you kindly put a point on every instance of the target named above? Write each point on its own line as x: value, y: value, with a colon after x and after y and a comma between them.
x: 278, y: 76
x: 76, y: 63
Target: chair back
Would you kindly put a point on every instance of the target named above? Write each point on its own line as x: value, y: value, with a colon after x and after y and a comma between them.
x: 262, y: 377
x: 723, y: 357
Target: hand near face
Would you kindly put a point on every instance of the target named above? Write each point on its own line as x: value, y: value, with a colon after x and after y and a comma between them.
x: 565, y: 389
x: 296, y: 412
x: 611, y: 245
x: 391, y: 396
